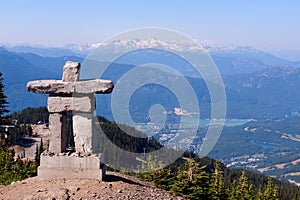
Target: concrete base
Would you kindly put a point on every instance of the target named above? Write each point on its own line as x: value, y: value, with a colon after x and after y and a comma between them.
x: 70, y: 167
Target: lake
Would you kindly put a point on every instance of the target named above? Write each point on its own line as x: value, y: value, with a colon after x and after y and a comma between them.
x: 190, y: 121
x: 265, y: 145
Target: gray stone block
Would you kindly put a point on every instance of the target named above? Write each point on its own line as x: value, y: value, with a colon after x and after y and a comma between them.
x: 59, y: 87
x: 70, y: 167
x: 68, y: 104
x: 57, y: 129
x: 83, y: 129
x: 71, y: 72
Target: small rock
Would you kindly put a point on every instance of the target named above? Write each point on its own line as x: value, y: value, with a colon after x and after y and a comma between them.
x: 39, y: 190
x: 120, y: 191
x: 74, y: 154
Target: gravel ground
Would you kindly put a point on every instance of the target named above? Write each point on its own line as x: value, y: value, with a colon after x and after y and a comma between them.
x: 115, y: 186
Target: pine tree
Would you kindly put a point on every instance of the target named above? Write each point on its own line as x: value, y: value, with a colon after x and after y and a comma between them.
x: 192, y: 182
x: 218, y: 190
x: 3, y: 102
x: 271, y: 191
x: 181, y: 184
x: 234, y: 193
x: 200, y: 183
x: 164, y: 178
x: 29, y: 130
x: 37, y: 155
x: 9, y: 159
x: 41, y: 149
x: 242, y: 190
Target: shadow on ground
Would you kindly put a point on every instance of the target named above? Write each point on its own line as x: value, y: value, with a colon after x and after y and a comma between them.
x: 26, y: 142
x: 115, y: 178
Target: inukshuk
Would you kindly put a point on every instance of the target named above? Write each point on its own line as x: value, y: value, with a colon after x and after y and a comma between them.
x: 76, y: 96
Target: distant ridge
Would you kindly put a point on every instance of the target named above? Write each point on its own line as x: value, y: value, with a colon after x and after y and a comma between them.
x: 242, y: 68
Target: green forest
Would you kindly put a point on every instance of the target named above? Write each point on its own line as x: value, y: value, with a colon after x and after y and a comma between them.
x: 191, y: 180
x: 13, y: 169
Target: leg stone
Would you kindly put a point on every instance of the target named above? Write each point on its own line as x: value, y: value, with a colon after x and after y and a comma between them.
x: 57, y: 127
x: 83, y: 129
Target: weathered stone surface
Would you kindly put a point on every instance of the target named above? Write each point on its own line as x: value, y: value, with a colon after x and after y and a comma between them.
x: 97, y: 86
x: 57, y: 128
x: 60, y: 167
x: 59, y: 87
x: 71, y: 72
x: 65, y: 104
x: 83, y: 132
x: 50, y: 87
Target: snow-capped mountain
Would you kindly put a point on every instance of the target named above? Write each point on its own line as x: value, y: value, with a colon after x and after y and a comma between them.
x: 176, y: 46
x: 247, y: 52
x: 127, y: 45
x: 229, y: 59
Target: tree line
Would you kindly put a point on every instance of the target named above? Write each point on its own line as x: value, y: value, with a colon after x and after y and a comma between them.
x: 13, y: 169
x: 193, y: 180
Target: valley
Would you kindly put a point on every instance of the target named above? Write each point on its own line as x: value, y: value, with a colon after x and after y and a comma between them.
x: 270, y: 147
x: 261, y: 133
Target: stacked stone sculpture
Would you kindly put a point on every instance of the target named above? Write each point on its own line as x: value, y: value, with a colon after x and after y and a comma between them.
x: 76, y: 96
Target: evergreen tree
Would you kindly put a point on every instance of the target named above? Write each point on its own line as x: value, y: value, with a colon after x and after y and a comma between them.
x: 29, y: 130
x: 242, y: 190
x: 12, y: 170
x: 192, y: 182
x: 234, y: 194
x: 9, y: 159
x: 37, y: 155
x: 218, y: 190
x: 3, y: 102
x: 41, y: 149
x: 271, y: 191
x: 31, y: 115
x: 260, y: 195
x: 181, y: 184
x: 200, y: 183
x: 164, y: 178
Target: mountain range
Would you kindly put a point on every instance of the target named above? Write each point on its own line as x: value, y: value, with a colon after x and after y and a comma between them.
x: 254, y: 80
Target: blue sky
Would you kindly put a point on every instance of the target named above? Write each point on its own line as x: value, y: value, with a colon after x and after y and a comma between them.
x: 264, y: 24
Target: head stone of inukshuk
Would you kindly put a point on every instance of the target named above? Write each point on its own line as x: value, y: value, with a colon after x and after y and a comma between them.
x: 71, y: 95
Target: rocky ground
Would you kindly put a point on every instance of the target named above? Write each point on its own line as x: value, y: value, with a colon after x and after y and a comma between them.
x: 115, y: 186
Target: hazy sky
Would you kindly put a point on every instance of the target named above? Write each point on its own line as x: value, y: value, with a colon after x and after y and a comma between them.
x: 264, y: 24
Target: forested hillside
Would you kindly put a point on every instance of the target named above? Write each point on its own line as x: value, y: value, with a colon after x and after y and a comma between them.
x: 188, y: 176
